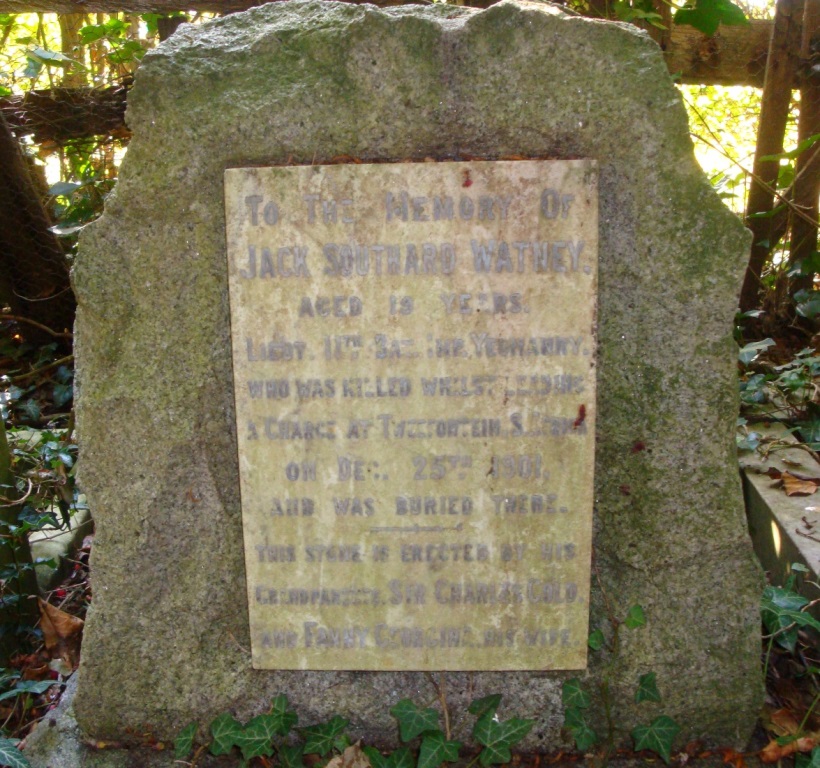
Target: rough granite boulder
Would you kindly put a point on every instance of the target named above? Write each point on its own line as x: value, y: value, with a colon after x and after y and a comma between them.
x: 305, y: 81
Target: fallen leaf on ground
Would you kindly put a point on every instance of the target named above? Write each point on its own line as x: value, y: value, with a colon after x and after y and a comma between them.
x: 62, y: 633
x: 773, y: 751
x: 352, y: 757
x: 798, y: 486
x: 732, y: 757
x: 783, y: 722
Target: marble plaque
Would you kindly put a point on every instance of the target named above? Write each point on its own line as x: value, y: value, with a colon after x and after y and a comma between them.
x: 414, y: 370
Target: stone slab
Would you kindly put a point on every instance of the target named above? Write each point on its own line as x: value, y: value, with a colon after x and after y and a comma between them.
x: 306, y: 82
x: 783, y: 528
x: 414, y: 377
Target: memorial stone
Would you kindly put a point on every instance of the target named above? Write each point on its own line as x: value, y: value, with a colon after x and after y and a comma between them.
x: 404, y: 346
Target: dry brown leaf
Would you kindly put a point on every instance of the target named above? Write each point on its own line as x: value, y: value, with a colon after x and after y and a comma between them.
x: 352, y: 757
x: 38, y: 672
x: 62, y: 633
x: 784, y: 723
x: 732, y: 757
x: 796, y: 486
x: 773, y: 751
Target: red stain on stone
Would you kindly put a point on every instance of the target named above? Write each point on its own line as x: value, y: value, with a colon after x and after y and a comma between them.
x: 582, y: 415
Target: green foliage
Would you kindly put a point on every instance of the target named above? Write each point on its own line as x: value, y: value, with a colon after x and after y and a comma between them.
x: 808, y: 761
x: 638, y: 10
x: 26, y: 687
x: 413, y: 720
x: 790, y: 389
x: 114, y: 31
x: 750, y: 352
x: 573, y: 694
x: 184, y: 743
x: 258, y: 738
x: 267, y: 734
x: 291, y: 755
x: 635, y: 618
x: 10, y: 756
x: 807, y: 302
x: 784, y: 612
x: 225, y: 730
x: 436, y: 749
x: 480, y: 707
x: 320, y: 739
x: 657, y: 736
x: 576, y: 700
x: 708, y: 15
x: 399, y: 758
x: 497, y: 737
x: 647, y: 689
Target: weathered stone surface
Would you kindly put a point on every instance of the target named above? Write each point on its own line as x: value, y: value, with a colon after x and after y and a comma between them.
x: 306, y: 82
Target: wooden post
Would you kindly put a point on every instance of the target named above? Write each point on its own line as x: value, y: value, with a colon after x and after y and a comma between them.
x: 781, y: 66
x: 807, y: 167
x: 34, y: 270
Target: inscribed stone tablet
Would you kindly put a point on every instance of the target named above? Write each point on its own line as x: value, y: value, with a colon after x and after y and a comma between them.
x: 414, y: 368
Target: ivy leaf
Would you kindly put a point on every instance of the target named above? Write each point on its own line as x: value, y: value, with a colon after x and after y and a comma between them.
x: 184, y: 743
x: 749, y: 353
x: 283, y: 718
x: 808, y: 761
x: 291, y: 756
x: 256, y: 739
x: 647, y: 689
x: 341, y: 743
x: 435, y: 750
x: 635, y: 618
x: 413, y: 720
x: 10, y: 756
x: 28, y: 686
x: 480, y: 707
x: 225, y: 730
x: 780, y: 608
x: 498, y: 737
x: 585, y: 738
x: 376, y: 758
x: 319, y: 738
x: 596, y: 640
x: 582, y: 734
x: 62, y: 394
x: 399, y: 758
x: 657, y: 737
x: 808, y: 304
x: 573, y: 695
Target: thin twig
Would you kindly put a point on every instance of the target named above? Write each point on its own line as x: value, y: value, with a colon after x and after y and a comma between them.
x: 238, y: 644
x: 719, y: 148
x: 802, y: 446
x: 21, y: 500
x: 780, y: 631
x: 38, y: 371
x: 55, y: 334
